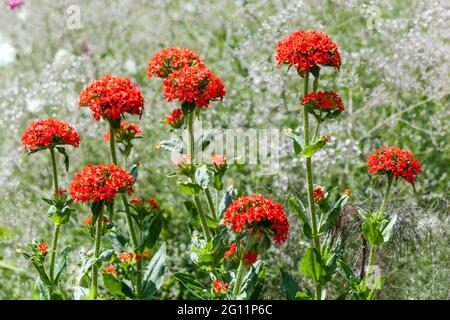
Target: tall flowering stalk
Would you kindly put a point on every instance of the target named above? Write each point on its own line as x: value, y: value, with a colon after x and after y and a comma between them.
x: 110, y: 98
x: 53, y: 135
x: 308, y: 52
x: 99, y: 185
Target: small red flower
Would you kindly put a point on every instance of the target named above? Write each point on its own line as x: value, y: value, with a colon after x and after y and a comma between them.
x: 49, y: 133
x: 153, y: 203
x: 110, y: 98
x: 184, y: 159
x: 101, y: 182
x: 395, y: 161
x: 42, y: 247
x: 89, y: 219
x: 220, y: 286
x: 231, y: 250
x: 168, y: 60
x: 323, y: 101
x: 110, y: 269
x: 126, y: 257
x: 319, y: 194
x: 175, y: 118
x: 196, y: 85
x: 136, y: 200
x: 255, y: 211
x: 218, y: 160
x: 125, y: 133
x: 307, y: 49
x: 250, y: 257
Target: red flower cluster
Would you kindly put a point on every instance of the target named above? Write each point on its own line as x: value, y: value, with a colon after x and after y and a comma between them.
x: 42, y: 247
x: 195, y: 84
x: 101, y: 182
x: 306, y: 49
x: 319, y: 194
x: 175, y: 118
x: 220, y: 286
x: 136, y: 200
x: 49, y: 133
x: 395, y: 161
x: 129, y: 257
x: 323, y: 101
x: 126, y: 132
x: 250, y: 257
x: 153, y: 203
x: 110, y: 97
x: 255, y: 211
x: 167, y: 60
x: 231, y: 250
x: 110, y: 269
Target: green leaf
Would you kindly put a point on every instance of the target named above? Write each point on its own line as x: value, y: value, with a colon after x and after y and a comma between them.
x: 311, y: 265
x: 348, y: 274
x: 217, y: 182
x: 387, y: 230
x: 39, y: 268
x: 190, y: 283
x: 290, y: 286
x: 61, y: 264
x: 333, y: 214
x: 310, y: 150
x: 252, y: 281
x: 191, y: 208
x: 153, y: 276
x: 96, y: 208
x: 116, y: 287
x: 295, y: 206
x: 189, y: 188
x: 299, y: 295
x: 296, y: 140
x: 86, y: 265
x: 66, y: 157
x: 152, y: 233
x: 134, y: 171
x: 229, y: 196
x: 202, y: 177
x: 40, y: 290
x: 371, y: 233
x: 171, y: 145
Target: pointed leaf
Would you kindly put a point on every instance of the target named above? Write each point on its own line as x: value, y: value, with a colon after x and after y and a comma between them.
x: 153, y: 276
x: 202, y: 177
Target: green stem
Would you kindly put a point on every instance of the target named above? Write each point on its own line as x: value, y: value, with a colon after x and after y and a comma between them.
x: 316, y: 132
x: 242, y: 267
x: 192, y: 160
x: 55, y: 169
x: 53, y: 250
x: 98, y: 237
x: 211, y: 204
x: 309, y: 177
x: 386, y: 196
x: 112, y: 145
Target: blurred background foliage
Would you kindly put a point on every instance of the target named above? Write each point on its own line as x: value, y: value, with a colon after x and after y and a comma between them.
x: 394, y: 82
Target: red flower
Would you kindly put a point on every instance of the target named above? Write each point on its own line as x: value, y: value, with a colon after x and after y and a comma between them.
x: 175, y: 118
x: 219, y: 286
x: 88, y: 220
x: 129, y: 257
x: 250, y: 257
x: 168, y: 60
x: 49, y: 133
x: 42, y: 247
x: 395, y: 161
x: 324, y: 101
x: 184, y: 159
x: 101, y: 182
x: 109, y: 98
x: 153, y: 203
x: 319, y: 194
x: 255, y: 211
x: 110, y: 269
x: 307, y: 49
x: 195, y: 85
x: 231, y: 250
x: 136, y: 200
x: 218, y: 160
x: 125, y: 133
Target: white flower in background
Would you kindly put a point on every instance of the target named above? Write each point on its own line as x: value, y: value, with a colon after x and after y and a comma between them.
x: 35, y: 105
x: 61, y: 56
x: 130, y: 66
x: 7, y: 53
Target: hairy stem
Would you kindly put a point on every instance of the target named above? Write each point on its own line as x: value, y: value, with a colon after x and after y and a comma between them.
x: 98, y: 237
x: 57, y: 226
x: 242, y: 267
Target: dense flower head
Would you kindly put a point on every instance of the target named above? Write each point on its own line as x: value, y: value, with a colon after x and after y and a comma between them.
x: 323, y: 101
x: 250, y: 257
x: 126, y: 132
x: 307, y: 49
x: 319, y: 194
x: 231, y: 250
x: 110, y: 269
x: 219, y: 286
x: 42, y: 247
x: 257, y: 212
x: 168, y: 60
x: 49, y: 133
x: 395, y: 161
x: 129, y: 257
x: 101, y: 182
x: 152, y: 202
x: 111, y: 97
x: 196, y: 85
x: 175, y: 119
